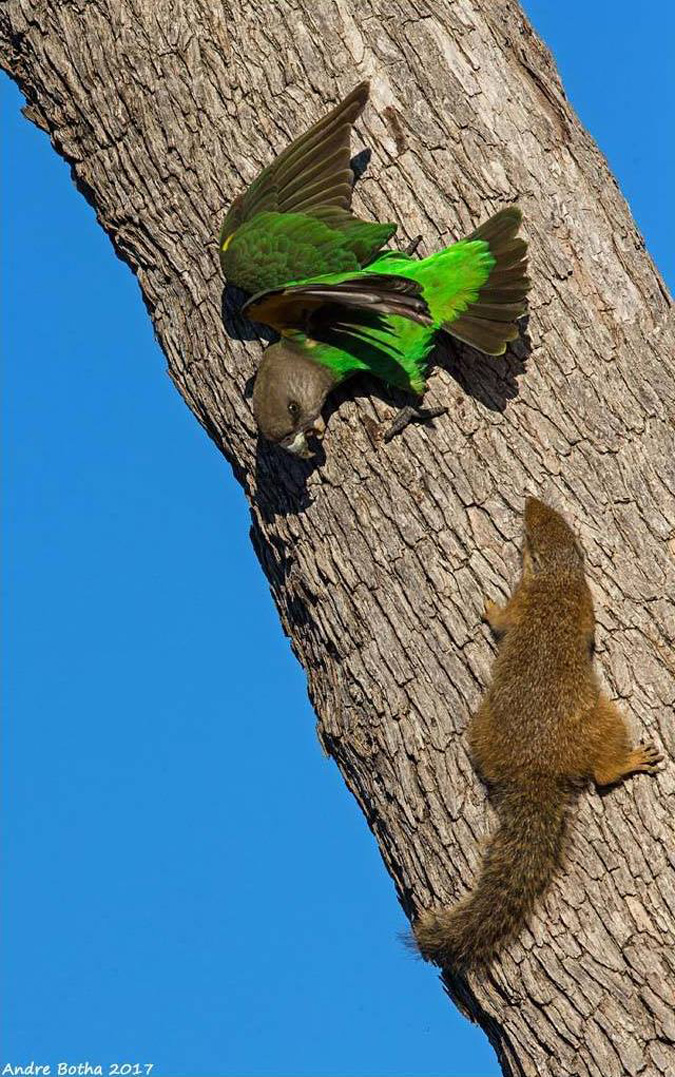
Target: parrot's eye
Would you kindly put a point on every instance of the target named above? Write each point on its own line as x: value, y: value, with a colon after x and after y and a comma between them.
x: 293, y: 409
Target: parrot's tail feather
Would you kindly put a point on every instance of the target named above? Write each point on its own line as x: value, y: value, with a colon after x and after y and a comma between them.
x: 502, y: 227
x: 489, y: 322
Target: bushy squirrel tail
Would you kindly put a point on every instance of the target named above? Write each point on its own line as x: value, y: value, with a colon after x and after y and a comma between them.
x: 517, y: 868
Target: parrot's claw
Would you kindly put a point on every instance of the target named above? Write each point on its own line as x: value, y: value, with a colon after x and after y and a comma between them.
x: 411, y: 414
x: 412, y: 246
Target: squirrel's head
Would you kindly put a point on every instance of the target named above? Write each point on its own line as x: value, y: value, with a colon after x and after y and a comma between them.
x: 549, y: 541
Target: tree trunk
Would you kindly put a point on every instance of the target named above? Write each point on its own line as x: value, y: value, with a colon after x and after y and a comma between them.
x: 380, y: 557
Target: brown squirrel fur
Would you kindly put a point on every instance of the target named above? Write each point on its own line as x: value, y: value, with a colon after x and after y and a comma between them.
x: 543, y: 729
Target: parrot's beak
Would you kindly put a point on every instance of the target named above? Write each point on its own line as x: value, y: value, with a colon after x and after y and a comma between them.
x: 299, y: 447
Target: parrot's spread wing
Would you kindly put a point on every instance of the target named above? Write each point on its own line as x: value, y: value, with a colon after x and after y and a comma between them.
x: 312, y: 175
x: 306, y: 306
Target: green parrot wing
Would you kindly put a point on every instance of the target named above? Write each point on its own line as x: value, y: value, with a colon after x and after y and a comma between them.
x: 310, y: 305
x: 281, y: 248
x: 306, y: 195
x: 312, y: 173
x: 364, y: 238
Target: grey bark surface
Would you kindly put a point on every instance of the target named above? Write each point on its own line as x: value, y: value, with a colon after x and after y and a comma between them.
x: 380, y: 557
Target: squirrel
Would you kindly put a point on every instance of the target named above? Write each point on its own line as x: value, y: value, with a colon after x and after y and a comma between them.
x: 543, y: 729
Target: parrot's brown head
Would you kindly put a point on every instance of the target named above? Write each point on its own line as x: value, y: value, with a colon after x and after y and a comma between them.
x: 289, y: 393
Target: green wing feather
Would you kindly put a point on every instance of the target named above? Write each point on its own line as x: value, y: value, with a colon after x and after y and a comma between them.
x: 279, y: 248
x: 312, y: 173
x: 310, y: 305
x: 310, y: 182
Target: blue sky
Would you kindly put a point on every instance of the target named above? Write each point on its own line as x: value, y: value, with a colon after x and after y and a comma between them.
x: 188, y: 881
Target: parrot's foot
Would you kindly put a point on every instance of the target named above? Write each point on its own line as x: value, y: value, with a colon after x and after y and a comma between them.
x: 409, y: 415
x: 412, y: 246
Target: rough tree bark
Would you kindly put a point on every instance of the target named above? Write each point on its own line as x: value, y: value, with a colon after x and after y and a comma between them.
x: 380, y: 557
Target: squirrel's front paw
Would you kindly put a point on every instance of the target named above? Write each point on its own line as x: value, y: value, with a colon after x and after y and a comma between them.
x: 491, y: 612
x: 495, y: 615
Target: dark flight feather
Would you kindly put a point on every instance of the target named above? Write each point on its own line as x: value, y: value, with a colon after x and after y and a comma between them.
x: 312, y: 172
x: 292, y: 308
